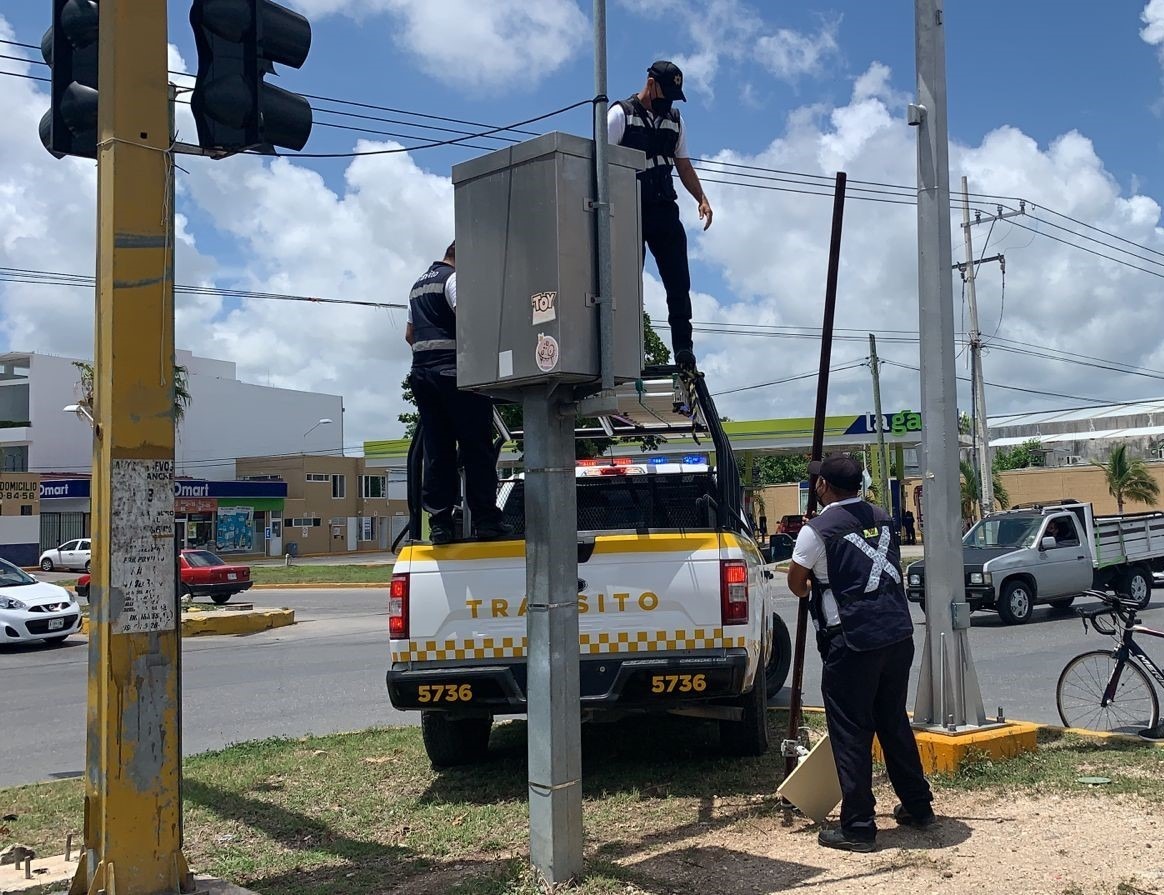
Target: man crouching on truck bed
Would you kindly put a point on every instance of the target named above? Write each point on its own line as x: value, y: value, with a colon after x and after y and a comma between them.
x: 449, y: 416
x: 849, y: 560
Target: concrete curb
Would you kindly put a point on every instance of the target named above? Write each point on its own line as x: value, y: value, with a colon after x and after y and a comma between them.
x: 322, y: 585
x: 224, y: 623
x: 236, y: 622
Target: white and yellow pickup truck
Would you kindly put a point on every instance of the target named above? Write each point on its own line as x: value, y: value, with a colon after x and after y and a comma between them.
x: 676, y: 613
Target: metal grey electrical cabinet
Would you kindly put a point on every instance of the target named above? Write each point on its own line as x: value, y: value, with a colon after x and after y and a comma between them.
x: 526, y: 276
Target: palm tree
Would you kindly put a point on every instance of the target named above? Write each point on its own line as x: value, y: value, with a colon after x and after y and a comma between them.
x: 182, y: 397
x: 1128, y: 478
x: 970, y: 491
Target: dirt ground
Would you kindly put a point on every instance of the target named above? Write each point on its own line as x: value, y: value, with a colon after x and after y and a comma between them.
x: 982, y: 844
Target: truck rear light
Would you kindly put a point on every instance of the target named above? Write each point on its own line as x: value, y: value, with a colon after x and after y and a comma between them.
x: 398, y: 607
x: 733, y: 591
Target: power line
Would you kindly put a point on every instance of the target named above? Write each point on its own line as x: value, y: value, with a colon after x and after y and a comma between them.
x: 846, y: 365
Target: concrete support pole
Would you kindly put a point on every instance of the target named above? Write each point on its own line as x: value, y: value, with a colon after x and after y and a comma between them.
x: 133, y: 751
x: 551, y: 556
x: 984, y: 466
x: 947, y: 691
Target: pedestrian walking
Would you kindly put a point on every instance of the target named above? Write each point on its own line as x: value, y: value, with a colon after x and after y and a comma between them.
x: 847, y: 562
x: 649, y: 122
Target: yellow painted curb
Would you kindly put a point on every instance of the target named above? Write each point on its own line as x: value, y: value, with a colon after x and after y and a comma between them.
x: 219, y: 623
x: 322, y: 585
x: 236, y: 622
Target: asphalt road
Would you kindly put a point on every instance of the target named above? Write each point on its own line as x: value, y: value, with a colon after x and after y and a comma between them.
x: 326, y: 674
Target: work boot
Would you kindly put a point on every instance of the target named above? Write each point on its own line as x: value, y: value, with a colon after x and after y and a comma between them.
x: 839, y: 840
x: 685, y: 360
x: 908, y: 819
x: 494, y: 530
x: 440, y: 531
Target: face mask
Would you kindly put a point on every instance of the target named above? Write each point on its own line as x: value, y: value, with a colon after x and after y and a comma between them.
x: 661, y: 106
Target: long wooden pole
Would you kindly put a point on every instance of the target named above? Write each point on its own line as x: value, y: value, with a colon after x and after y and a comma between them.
x: 822, y: 391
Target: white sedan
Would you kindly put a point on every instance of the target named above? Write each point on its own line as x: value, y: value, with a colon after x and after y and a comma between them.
x: 34, y: 610
x: 70, y: 555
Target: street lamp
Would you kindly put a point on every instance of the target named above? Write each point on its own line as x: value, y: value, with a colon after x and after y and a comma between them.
x: 322, y: 422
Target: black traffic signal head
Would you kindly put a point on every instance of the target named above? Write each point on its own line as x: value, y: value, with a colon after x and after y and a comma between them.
x: 238, y: 42
x: 69, y: 46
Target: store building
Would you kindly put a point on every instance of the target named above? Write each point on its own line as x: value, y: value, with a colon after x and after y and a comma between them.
x: 226, y: 418
x: 19, y: 519
x: 232, y: 517
x: 333, y: 504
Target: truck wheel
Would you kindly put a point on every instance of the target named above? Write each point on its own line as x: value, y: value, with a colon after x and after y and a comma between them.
x: 1016, y: 603
x: 1136, y: 585
x: 749, y: 735
x: 1062, y: 604
x: 781, y: 658
x: 450, y: 742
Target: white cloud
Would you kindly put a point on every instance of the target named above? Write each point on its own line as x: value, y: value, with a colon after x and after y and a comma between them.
x: 292, y: 231
x: 732, y: 30
x: 477, y: 46
x: 1153, y: 18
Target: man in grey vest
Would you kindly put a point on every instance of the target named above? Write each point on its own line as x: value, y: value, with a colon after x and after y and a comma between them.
x: 448, y: 416
x: 648, y: 122
x: 847, y: 561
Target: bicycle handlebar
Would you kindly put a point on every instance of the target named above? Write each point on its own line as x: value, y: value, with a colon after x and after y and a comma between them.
x: 1114, y: 606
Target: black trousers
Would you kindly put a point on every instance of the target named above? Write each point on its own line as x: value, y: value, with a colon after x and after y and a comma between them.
x: 450, y: 417
x: 664, y: 235
x: 864, y: 694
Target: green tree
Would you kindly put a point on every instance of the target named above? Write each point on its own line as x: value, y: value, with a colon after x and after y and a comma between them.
x: 1128, y: 478
x: 971, y: 494
x: 182, y: 397
x: 780, y: 469
x: 1029, y: 453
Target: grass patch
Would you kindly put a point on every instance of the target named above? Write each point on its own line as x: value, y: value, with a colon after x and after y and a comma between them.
x: 363, y: 812
x: 312, y: 574
x: 1063, y: 758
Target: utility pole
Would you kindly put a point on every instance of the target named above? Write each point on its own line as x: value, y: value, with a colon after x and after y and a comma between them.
x: 133, y: 782
x: 981, y: 437
x: 948, y: 694
x: 882, y: 455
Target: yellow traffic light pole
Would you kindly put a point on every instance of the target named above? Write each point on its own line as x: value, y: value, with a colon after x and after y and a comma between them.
x: 133, y: 751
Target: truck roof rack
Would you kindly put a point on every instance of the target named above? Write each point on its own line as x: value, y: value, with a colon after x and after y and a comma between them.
x: 665, y: 401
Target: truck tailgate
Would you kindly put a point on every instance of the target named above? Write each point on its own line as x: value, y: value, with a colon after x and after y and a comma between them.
x: 637, y: 594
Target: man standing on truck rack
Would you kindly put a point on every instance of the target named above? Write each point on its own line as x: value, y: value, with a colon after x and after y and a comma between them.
x: 848, y: 563
x: 647, y: 122
x: 448, y: 416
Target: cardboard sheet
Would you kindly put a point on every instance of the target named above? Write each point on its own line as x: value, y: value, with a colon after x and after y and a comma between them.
x: 813, y: 786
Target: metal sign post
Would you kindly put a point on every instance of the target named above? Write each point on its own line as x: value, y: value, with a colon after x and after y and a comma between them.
x: 955, y: 701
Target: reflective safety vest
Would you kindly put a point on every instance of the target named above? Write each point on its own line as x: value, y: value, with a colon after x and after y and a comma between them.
x: 434, y: 323
x: 658, y: 137
x: 864, y: 565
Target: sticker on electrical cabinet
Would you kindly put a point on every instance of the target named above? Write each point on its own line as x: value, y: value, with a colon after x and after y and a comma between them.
x: 543, y: 304
x: 141, y: 545
x: 504, y: 364
x: 546, y: 354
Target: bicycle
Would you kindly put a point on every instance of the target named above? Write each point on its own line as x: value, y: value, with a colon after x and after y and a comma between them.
x: 1111, y: 690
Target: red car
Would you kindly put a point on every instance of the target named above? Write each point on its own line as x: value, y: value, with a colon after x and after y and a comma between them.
x: 204, y: 574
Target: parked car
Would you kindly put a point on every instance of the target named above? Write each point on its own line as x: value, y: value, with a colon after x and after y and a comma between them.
x: 34, y: 610
x: 204, y: 574
x: 73, y: 554
x: 790, y: 525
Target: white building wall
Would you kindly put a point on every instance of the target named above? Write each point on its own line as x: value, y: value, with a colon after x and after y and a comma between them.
x: 226, y: 419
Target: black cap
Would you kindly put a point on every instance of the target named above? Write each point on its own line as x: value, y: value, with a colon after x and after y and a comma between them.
x: 839, y: 470
x: 669, y: 77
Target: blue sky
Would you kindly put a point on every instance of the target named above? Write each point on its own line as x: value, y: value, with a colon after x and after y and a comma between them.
x: 803, y: 86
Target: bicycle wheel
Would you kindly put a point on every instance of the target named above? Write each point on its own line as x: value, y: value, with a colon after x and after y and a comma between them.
x: 1082, y: 683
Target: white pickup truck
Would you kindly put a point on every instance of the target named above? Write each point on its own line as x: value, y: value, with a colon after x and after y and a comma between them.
x: 676, y: 611
x: 1049, y: 553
